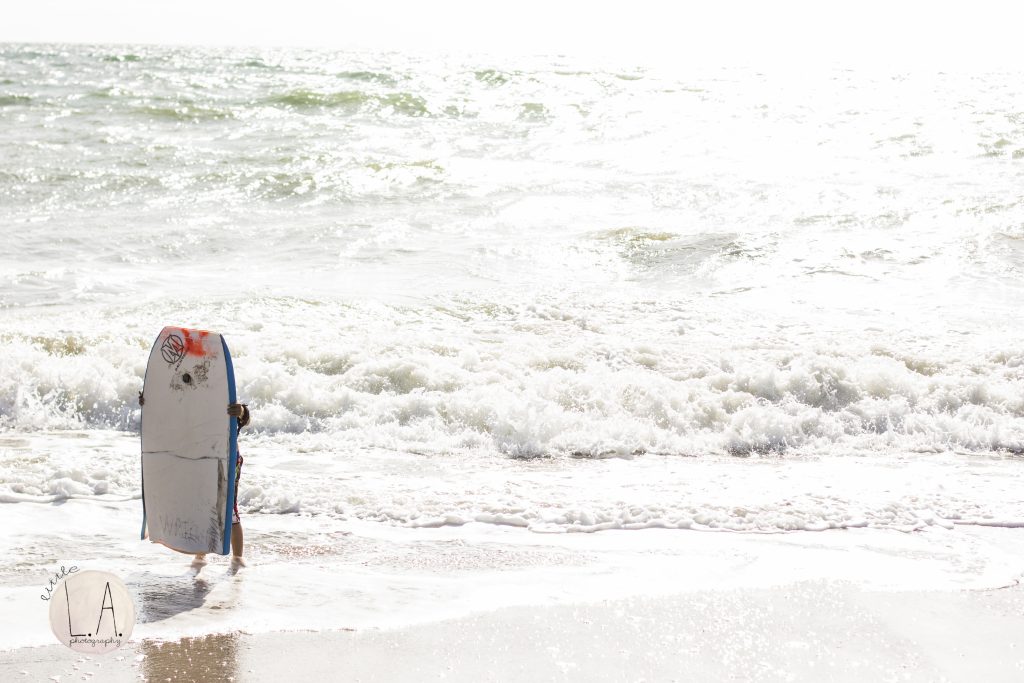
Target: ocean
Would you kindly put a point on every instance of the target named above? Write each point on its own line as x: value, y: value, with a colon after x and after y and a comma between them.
x: 556, y: 294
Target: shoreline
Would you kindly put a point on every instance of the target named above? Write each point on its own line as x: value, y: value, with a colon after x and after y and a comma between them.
x: 322, y: 574
x: 811, y: 630
x: 346, y: 596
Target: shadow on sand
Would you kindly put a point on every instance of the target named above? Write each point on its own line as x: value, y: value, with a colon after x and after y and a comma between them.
x: 163, y: 597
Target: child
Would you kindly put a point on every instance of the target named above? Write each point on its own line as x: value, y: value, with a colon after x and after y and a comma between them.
x: 241, y: 411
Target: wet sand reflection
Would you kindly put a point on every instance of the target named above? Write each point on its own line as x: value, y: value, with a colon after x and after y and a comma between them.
x: 192, y: 660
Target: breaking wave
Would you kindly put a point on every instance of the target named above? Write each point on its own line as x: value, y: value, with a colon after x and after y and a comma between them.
x: 595, y: 395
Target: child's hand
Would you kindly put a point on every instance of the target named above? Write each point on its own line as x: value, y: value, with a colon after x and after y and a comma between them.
x: 241, y: 411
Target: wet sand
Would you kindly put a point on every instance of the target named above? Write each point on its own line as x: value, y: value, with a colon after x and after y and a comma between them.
x: 819, y: 631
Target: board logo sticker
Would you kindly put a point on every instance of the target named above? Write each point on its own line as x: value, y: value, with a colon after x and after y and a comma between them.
x: 92, y: 612
x: 173, y: 349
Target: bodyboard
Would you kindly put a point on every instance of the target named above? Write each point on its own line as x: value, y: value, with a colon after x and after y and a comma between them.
x: 189, y: 442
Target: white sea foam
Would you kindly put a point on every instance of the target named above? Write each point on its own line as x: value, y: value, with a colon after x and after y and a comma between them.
x: 320, y: 474
x: 376, y: 378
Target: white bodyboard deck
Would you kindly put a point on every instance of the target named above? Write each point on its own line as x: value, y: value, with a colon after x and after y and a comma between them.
x: 189, y: 442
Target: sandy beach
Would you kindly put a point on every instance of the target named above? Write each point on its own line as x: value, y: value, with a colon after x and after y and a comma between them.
x: 808, y: 629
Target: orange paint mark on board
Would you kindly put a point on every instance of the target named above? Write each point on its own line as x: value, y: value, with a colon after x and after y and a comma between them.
x: 195, y: 342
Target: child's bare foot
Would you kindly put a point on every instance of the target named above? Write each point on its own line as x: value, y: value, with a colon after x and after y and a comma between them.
x: 199, y: 560
x: 236, y: 563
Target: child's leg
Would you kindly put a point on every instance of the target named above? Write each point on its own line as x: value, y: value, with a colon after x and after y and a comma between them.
x: 236, y: 539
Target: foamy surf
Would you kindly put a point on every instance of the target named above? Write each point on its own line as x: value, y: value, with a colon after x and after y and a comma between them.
x: 552, y: 380
x: 314, y: 475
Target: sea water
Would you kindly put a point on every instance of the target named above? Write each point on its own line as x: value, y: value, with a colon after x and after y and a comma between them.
x: 541, y: 292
